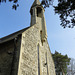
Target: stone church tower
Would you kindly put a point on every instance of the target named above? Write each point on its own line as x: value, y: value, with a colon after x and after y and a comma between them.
x: 26, y: 52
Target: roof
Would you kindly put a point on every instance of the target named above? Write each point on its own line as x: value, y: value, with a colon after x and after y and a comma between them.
x: 12, y: 36
x: 36, y: 2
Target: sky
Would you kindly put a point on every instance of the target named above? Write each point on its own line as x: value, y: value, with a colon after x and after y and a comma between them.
x: 59, y: 39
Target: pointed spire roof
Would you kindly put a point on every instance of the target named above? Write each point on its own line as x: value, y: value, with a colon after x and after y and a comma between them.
x: 36, y: 2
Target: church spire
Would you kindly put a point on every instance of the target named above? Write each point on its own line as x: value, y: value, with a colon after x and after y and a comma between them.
x: 34, y: 11
x: 37, y: 17
x: 36, y: 2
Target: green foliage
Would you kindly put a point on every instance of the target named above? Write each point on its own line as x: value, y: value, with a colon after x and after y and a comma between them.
x: 66, y: 11
x: 61, y: 62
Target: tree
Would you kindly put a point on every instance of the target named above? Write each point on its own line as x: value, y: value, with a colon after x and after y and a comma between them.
x: 65, y: 9
x: 61, y: 62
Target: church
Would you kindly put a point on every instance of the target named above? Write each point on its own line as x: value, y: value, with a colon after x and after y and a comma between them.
x: 27, y: 52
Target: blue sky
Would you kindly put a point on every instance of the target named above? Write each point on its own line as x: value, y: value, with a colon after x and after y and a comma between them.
x: 62, y: 40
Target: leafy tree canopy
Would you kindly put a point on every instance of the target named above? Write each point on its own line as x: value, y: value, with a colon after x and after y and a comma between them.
x: 61, y: 62
x: 65, y: 9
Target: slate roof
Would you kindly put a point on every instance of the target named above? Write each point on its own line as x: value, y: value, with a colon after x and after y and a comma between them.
x: 12, y: 36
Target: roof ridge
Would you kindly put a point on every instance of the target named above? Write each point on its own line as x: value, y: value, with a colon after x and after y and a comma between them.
x: 12, y: 36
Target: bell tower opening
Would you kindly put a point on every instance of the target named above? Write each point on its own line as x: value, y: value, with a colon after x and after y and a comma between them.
x: 39, y: 12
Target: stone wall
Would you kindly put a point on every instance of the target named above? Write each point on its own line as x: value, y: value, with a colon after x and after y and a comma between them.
x: 9, y: 57
x: 6, y: 50
x: 28, y: 63
x: 46, y: 61
x: 27, y: 55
